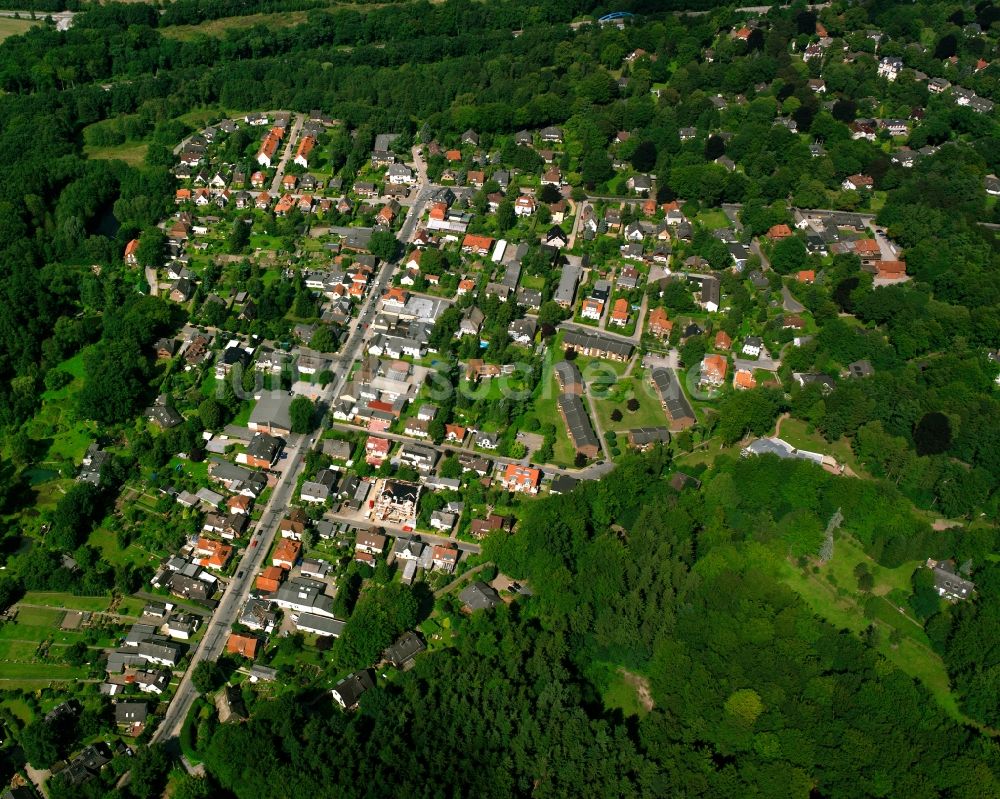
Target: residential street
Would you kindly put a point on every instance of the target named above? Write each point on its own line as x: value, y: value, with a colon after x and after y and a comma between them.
x: 292, y: 137
x: 238, y: 589
x: 789, y: 303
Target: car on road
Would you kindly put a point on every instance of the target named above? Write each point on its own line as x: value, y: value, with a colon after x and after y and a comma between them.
x: 239, y: 574
x: 253, y: 543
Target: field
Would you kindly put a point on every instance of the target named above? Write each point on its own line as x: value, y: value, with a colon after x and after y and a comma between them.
x: 832, y: 594
x: 54, y: 599
x: 107, y: 542
x: 131, y: 152
x: 14, y: 27
x: 218, y: 27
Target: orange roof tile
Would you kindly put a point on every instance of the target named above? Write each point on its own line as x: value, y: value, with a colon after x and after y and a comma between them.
x: 244, y: 645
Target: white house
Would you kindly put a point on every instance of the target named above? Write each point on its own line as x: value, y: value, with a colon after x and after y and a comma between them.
x: 890, y: 67
x: 752, y: 346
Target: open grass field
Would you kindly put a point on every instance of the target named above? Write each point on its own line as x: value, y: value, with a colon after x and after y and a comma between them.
x: 218, y: 27
x: 22, y: 664
x: 15, y: 27
x: 107, y: 542
x: 832, y: 594
x: 131, y: 152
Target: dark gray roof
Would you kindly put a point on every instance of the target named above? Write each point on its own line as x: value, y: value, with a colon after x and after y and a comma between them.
x: 580, y: 340
x: 350, y: 689
x: 950, y: 584
x: 407, y: 646
x: 641, y: 436
x: 563, y: 484
x: 321, y: 624
x: 479, y: 596
x: 131, y: 712
x: 577, y: 422
x: 264, y: 447
x: 862, y: 368
x: 671, y: 394
x: 568, y: 374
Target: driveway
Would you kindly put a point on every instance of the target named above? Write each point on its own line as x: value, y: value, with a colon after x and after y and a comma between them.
x: 789, y: 303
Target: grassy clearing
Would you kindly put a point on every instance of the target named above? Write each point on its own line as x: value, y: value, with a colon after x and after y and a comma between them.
x: 131, y: 152
x: 20, y: 709
x: 796, y: 432
x: 620, y: 689
x: 107, y: 542
x: 15, y: 27
x: 218, y: 27
x: 831, y: 592
x: 43, y: 617
x: 38, y: 673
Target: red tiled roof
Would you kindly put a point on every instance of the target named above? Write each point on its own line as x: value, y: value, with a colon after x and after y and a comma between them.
x: 244, y: 645
x: 716, y: 365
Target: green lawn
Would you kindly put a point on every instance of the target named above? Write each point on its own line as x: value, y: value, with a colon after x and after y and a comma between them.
x: 796, y: 432
x: 107, y: 542
x: 218, y: 27
x: 15, y: 27
x: 131, y: 152
x: 19, y: 708
x: 55, y: 599
x: 37, y: 673
x: 619, y: 689
x: 649, y: 414
x: 74, y: 367
x: 714, y: 219
x: 598, y: 367
x: 841, y: 604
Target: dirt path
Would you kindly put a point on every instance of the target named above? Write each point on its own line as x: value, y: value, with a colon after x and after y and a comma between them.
x: 777, y: 424
x: 641, y: 686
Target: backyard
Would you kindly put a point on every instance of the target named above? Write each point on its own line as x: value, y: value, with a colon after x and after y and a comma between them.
x: 32, y: 644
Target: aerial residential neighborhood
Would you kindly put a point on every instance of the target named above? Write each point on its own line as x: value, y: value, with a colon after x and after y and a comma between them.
x: 512, y: 399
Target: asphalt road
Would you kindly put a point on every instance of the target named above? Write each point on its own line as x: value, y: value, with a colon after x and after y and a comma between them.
x: 238, y: 589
